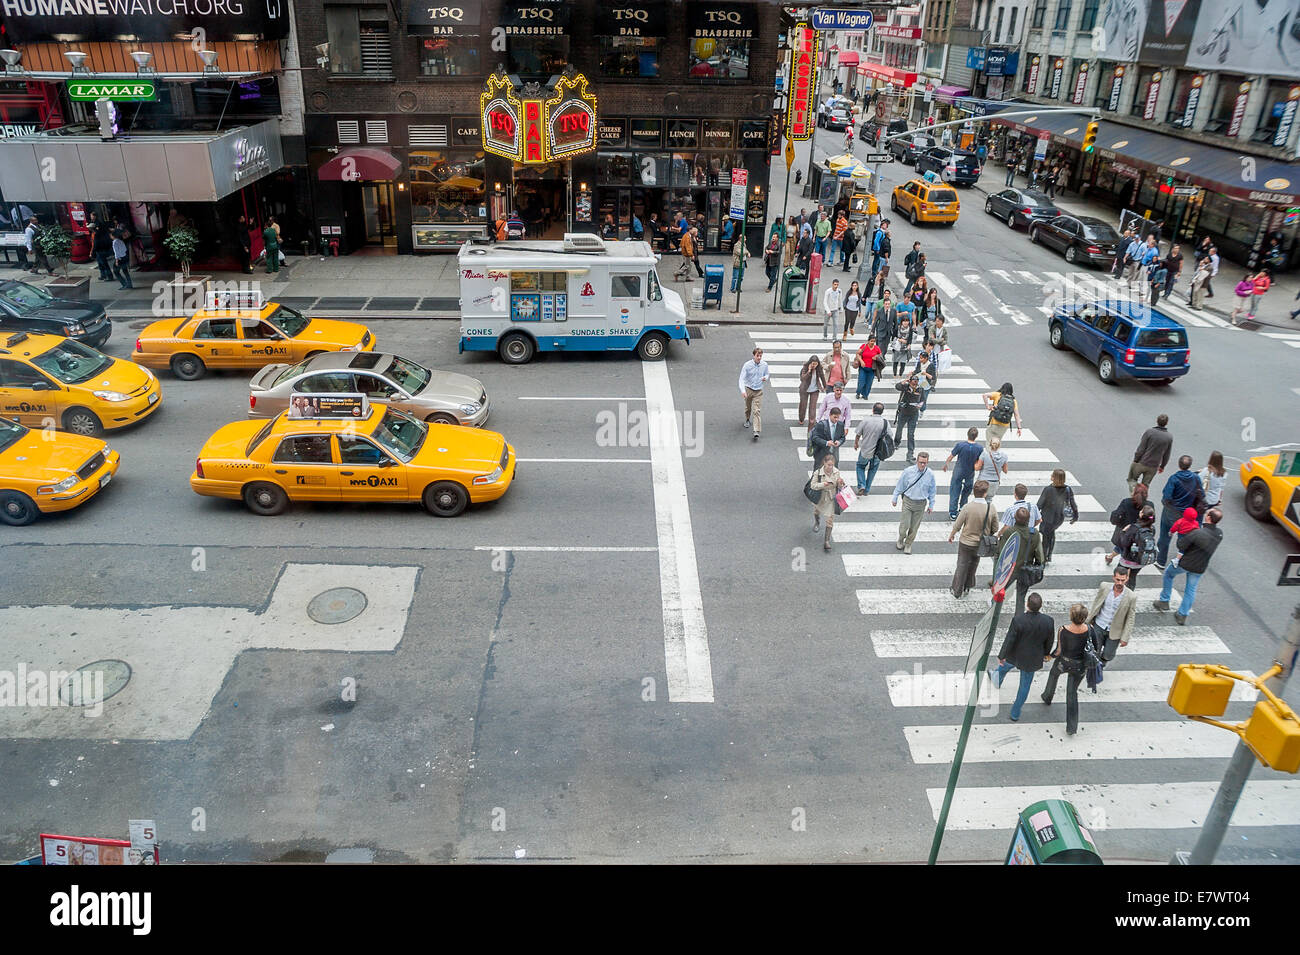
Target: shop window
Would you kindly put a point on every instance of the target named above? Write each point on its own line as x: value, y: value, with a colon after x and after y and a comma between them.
x: 359, y: 39
x: 538, y: 56
x: 629, y: 56
x: 614, y: 168
x: 539, y: 281
x: 1062, y: 15
x: 448, y: 56
x: 255, y: 97
x: 1274, y: 106
x: 719, y: 58
x: 1225, y: 99
x: 1215, y: 212
x: 1089, y: 19
x: 1101, y: 98
x: 1040, y: 13
x: 653, y: 169
x: 447, y: 186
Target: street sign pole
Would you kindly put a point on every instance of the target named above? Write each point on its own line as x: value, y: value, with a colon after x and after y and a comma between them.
x: 785, y: 211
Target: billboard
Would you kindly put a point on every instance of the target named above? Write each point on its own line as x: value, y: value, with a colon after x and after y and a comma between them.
x: 1254, y: 37
x: 1169, y: 28
x: 29, y: 21
x: 1120, y: 35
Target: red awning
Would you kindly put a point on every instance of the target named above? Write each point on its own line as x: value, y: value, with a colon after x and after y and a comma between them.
x: 848, y: 58
x: 360, y: 165
x: 898, y: 77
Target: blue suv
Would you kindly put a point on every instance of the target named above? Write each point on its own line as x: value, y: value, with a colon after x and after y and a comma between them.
x: 1123, y: 339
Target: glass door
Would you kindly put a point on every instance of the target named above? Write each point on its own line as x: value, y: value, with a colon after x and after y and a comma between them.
x: 377, y: 205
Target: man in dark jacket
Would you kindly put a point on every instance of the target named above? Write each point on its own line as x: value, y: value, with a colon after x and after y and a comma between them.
x: 1182, y: 490
x: 1196, y: 547
x: 101, y: 243
x: 1152, y: 454
x: 245, y: 242
x: 1027, y: 646
x: 910, y: 262
x: 908, y: 413
x: 804, y: 251
x: 881, y: 249
x: 827, y: 437
x: 849, y: 244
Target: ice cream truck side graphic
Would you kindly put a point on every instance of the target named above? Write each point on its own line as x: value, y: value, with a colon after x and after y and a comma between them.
x: 581, y: 294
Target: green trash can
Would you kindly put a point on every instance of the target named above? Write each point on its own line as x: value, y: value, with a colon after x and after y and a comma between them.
x: 1049, y: 833
x: 794, y: 290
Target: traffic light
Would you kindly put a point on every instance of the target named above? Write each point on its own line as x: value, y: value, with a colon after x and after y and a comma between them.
x: 1090, y: 136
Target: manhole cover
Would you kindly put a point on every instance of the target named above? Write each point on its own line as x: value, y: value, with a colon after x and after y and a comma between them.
x: 94, y: 683
x: 337, y: 605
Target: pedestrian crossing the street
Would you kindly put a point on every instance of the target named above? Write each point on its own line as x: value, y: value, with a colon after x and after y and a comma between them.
x: 919, y: 634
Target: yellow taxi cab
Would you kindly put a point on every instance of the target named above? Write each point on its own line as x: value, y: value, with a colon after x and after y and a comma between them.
x: 42, y: 475
x: 340, y: 447
x: 1272, y: 483
x: 49, y: 378
x: 243, y: 333
x: 924, y: 201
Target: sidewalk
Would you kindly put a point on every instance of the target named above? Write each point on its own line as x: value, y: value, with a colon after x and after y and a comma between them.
x: 1275, y: 308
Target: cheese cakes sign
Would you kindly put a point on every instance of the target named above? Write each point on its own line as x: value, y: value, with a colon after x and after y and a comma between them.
x: 29, y: 21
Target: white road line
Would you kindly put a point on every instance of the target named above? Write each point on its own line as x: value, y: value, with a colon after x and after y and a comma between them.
x: 848, y: 531
x: 952, y: 291
x: 1264, y: 802
x: 686, y: 636
x: 932, y: 688
x: 943, y: 479
x: 877, y: 502
x: 1029, y: 277
x: 584, y: 460
x: 896, y: 564
x: 790, y: 393
x: 579, y: 398
x: 1161, y: 641
x: 1039, y: 742
x: 941, y: 601
x: 1004, y: 276
x: 1191, y: 317
x: 538, y: 549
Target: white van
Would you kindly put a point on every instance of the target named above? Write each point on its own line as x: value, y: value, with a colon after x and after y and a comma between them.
x: 581, y: 294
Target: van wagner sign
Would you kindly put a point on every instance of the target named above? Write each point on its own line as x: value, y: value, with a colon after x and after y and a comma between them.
x: 29, y: 21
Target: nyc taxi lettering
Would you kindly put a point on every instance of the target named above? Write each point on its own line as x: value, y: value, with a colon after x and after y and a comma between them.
x: 271, y: 350
x: 26, y: 407
x: 373, y: 480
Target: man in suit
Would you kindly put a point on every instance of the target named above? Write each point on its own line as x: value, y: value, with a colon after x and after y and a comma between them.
x: 1114, y: 611
x: 1027, y: 646
x: 827, y: 437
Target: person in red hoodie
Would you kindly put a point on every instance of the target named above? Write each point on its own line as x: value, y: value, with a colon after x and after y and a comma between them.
x: 864, y: 361
x: 1189, y: 522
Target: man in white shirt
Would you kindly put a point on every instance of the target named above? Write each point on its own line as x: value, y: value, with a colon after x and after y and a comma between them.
x: 753, y: 375
x: 832, y: 301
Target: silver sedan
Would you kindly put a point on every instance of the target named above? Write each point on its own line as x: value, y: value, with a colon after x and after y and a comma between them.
x: 437, y: 396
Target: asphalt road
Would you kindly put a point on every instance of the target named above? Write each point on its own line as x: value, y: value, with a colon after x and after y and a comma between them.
x: 521, y: 703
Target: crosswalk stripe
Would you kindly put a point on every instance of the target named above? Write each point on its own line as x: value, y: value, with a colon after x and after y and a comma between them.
x: 1154, y: 641
x: 1004, y: 276
x: 943, y: 479
x: 965, y: 400
x: 1284, y: 336
x: 1189, y: 317
x: 1038, y: 742
x: 788, y: 395
x: 1119, y: 686
x: 1029, y: 277
x: 947, y: 379
x: 895, y: 564
x: 1182, y: 805
x: 911, y: 602
x: 878, y: 500
x: 849, y: 531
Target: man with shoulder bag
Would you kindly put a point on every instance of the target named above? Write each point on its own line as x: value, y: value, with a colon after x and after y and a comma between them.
x: 977, y: 523
x: 873, y: 444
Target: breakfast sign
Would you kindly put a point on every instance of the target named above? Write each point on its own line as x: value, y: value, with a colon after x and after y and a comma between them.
x: 533, y: 125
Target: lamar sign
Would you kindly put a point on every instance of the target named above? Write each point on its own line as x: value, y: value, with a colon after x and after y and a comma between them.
x: 132, y: 91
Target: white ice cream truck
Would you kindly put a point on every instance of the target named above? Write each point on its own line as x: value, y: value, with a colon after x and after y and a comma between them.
x: 581, y: 294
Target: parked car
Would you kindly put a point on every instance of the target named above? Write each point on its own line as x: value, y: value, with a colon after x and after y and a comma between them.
x: 925, y: 201
x: 1020, y: 207
x: 1080, y: 238
x: 29, y: 308
x: 1124, y: 339
x: 906, y: 148
x: 950, y: 165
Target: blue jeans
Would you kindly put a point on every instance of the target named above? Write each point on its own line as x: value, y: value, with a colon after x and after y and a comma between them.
x: 877, y: 260
x: 736, y: 276
x: 1168, y: 515
x: 866, y: 378
x: 962, y: 485
x: 835, y: 248
x: 1189, y: 589
x: 819, y: 247
x: 867, y: 472
x: 1022, y: 693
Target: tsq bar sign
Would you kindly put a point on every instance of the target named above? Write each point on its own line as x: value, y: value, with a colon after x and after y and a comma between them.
x: 835, y: 18
x: 803, y: 84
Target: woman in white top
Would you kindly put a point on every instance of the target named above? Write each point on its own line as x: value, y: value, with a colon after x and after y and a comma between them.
x: 1213, y: 477
x: 991, y: 465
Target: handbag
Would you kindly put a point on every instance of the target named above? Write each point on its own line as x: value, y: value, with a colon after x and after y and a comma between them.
x: 944, y: 362
x: 1031, y: 574
x: 855, y: 258
x: 808, y: 492
x: 845, y: 498
x: 988, y: 546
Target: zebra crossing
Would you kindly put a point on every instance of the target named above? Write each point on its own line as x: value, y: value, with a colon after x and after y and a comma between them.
x: 986, y: 298
x: 1290, y: 339
x: 919, y: 635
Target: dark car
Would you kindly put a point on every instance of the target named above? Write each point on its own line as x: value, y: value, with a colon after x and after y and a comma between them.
x: 1081, y: 238
x: 1124, y: 339
x: 1020, y: 207
x: 837, y: 117
x: 29, y: 308
x: 906, y: 148
x: 950, y: 165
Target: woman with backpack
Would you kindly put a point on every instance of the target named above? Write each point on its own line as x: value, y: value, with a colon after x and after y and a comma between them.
x: 1003, y: 409
x: 1056, y: 506
x: 1213, y: 477
x: 1126, y: 513
x: 1137, y: 544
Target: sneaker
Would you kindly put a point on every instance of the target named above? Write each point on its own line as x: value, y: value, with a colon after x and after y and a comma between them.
x: 1182, y: 621
x: 1161, y: 605
x: 747, y: 422
x: 907, y: 549
x: 755, y: 435
x: 1159, y: 565
x: 860, y: 490
x: 1046, y: 699
x: 898, y: 545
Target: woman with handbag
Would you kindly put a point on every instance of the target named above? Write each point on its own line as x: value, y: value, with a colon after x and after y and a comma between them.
x: 828, y: 481
x: 977, y: 523
x: 812, y: 382
x: 1072, y: 660
x: 1056, y: 506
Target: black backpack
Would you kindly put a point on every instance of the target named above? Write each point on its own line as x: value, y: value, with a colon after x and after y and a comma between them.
x: 1142, y: 549
x: 885, y: 445
x: 1004, y: 409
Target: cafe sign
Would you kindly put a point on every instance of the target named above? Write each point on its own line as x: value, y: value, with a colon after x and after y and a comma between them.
x: 125, y: 91
x: 538, y: 126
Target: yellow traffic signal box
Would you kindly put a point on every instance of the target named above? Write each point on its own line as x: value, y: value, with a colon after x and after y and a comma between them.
x: 1197, y: 691
x: 1273, y: 733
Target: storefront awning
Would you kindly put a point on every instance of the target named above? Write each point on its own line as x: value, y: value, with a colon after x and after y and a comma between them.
x: 950, y: 93
x: 632, y: 18
x: 360, y: 165
x: 898, y: 77
x: 728, y: 21
x: 534, y: 17
x: 1211, y: 167
x: 457, y: 18
x: 847, y: 58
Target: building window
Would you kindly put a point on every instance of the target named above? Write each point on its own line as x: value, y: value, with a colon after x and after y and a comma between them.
x: 997, y: 30
x: 447, y: 186
x: 538, y: 56
x: 1139, y: 104
x: 1011, y: 25
x: 1040, y: 13
x: 359, y: 41
x: 629, y: 56
x: 448, y: 56
x: 1178, y: 102
x: 1274, y: 105
x: 1062, y: 15
x: 719, y: 57
x: 1101, y: 98
x: 1089, y: 19
x: 1225, y: 100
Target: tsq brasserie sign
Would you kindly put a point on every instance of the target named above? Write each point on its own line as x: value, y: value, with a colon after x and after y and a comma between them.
x: 33, y: 20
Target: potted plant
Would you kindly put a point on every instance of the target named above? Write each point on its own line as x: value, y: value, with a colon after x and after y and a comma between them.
x: 56, y: 242
x: 181, y: 242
